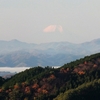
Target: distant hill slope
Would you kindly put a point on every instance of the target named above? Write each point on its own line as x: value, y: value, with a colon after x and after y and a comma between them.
x: 77, y: 80
x: 18, y: 59
x: 16, y: 53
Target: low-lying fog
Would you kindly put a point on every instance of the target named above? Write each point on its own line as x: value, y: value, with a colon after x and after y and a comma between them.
x: 13, y: 69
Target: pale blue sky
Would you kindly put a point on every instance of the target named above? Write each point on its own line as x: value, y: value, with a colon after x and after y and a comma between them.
x: 25, y: 20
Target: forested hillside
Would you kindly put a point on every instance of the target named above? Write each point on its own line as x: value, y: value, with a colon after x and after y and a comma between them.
x: 77, y: 80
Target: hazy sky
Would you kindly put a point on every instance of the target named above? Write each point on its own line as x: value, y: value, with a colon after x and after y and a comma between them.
x: 74, y: 21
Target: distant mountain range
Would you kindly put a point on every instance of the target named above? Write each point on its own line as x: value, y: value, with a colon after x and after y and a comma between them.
x: 16, y: 53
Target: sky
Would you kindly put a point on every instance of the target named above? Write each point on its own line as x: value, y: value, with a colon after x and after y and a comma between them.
x: 42, y: 21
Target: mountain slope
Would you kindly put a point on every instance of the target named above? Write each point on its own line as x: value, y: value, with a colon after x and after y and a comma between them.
x: 18, y: 59
x: 86, y: 91
x: 48, y: 83
x: 13, y: 45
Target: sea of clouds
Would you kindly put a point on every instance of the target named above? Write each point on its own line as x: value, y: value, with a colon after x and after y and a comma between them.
x: 13, y: 69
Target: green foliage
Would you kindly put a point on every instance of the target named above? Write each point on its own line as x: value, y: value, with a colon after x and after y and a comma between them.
x: 27, y: 75
x: 2, y: 80
x: 86, y: 91
x: 15, y: 95
x: 82, y: 60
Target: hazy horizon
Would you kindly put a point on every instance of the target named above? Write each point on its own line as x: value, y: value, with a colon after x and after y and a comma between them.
x: 35, y: 21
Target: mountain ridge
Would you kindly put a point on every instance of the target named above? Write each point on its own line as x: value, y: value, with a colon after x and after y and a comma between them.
x: 44, y: 54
